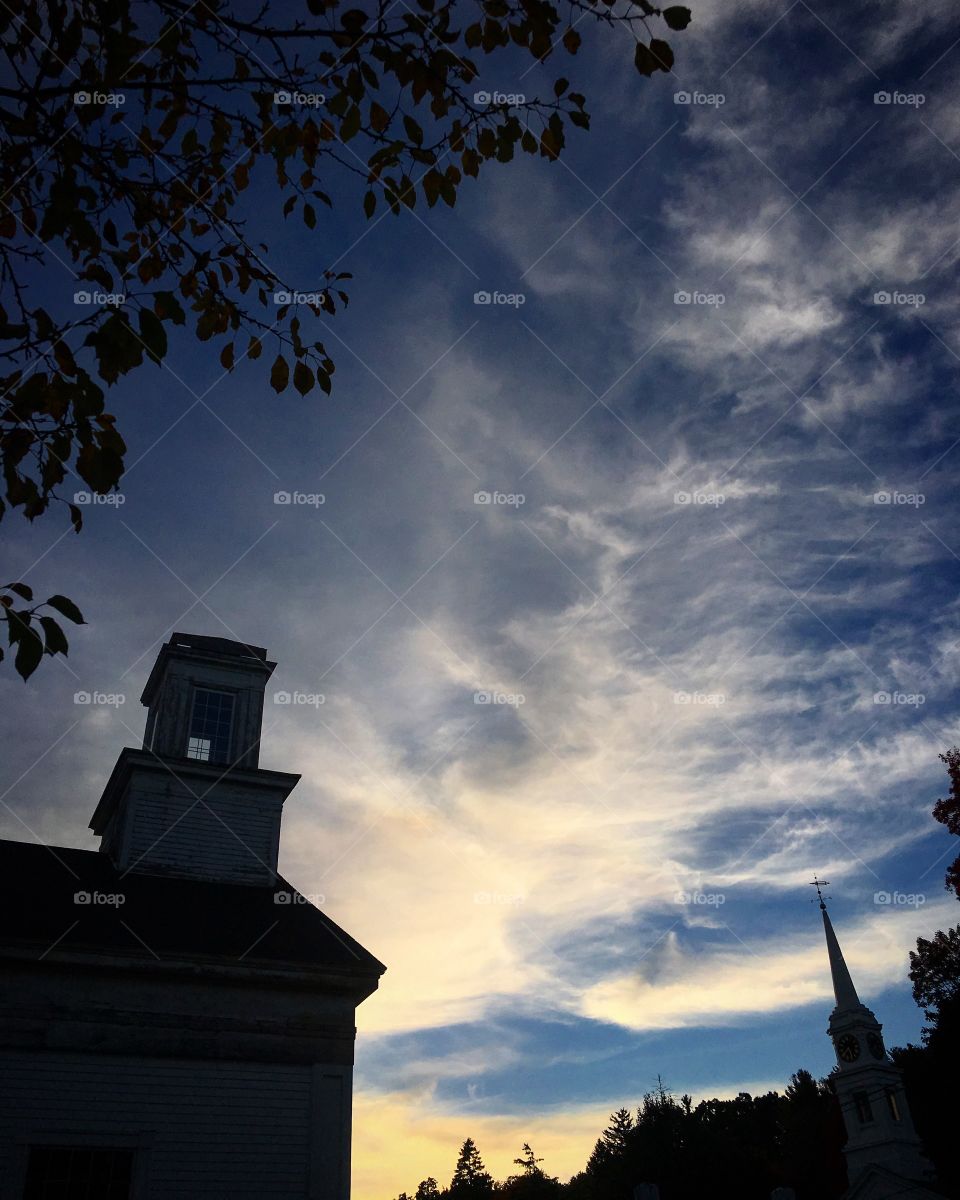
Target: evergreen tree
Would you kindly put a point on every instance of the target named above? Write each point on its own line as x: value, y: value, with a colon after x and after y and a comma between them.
x: 427, y: 1189
x: 470, y: 1176
x: 533, y: 1183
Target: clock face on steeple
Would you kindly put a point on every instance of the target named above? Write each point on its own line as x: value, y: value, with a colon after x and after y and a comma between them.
x: 875, y: 1043
x: 848, y: 1048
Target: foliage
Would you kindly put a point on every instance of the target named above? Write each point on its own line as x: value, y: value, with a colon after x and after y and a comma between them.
x: 745, y: 1146
x: 935, y: 971
x: 947, y: 811
x: 131, y: 133
x: 32, y: 641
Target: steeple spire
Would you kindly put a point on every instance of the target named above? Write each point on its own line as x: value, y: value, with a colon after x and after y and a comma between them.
x: 843, y: 990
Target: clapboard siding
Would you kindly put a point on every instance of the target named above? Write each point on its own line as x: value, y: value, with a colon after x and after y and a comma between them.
x: 230, y: 834
x: 212, y: 1130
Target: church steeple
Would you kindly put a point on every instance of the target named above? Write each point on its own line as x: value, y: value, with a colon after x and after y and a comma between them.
x: 880, y: 1131
x: 843, y: 990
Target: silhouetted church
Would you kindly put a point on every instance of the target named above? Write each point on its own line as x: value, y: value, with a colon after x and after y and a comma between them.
x: 176, y: 1020
x: 883, y: 1152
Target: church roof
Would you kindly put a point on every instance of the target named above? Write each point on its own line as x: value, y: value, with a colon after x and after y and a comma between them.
x: 165, y: 918
x: 877, y: 1183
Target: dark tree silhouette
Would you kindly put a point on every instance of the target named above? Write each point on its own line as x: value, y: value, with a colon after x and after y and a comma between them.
x: 533, y: 1183
x: 947, y: 811
x: 470, y: 1176
x: 132, y: 130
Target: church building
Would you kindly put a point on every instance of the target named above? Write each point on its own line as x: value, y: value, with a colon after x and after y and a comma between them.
x: 176, y: 1019
x: 883, y: 1153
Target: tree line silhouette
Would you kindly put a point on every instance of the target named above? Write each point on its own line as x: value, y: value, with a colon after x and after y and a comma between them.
x: 745, y: 1146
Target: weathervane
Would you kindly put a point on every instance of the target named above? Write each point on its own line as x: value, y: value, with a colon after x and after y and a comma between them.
x: 818, y: 884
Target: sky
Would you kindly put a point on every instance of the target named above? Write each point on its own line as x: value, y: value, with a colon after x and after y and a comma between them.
x: 571, y: 756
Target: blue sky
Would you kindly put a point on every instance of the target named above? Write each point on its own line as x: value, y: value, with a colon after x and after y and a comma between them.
x: 738, y: 529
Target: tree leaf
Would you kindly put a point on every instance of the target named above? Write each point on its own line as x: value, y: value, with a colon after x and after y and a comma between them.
x: 644, y: 61
x: 662, y: 53
x: 302, y: 378
x: 677, y: 17
x: 279, y: 374
x: 153, y: 333
x: 56, y: 642
x: 67, y: 608
x: 29, y: 654
x: 24, y: 592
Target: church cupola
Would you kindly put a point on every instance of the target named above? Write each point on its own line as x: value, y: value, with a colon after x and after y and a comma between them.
x: 193, y: 801
x: 880, y: 1131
